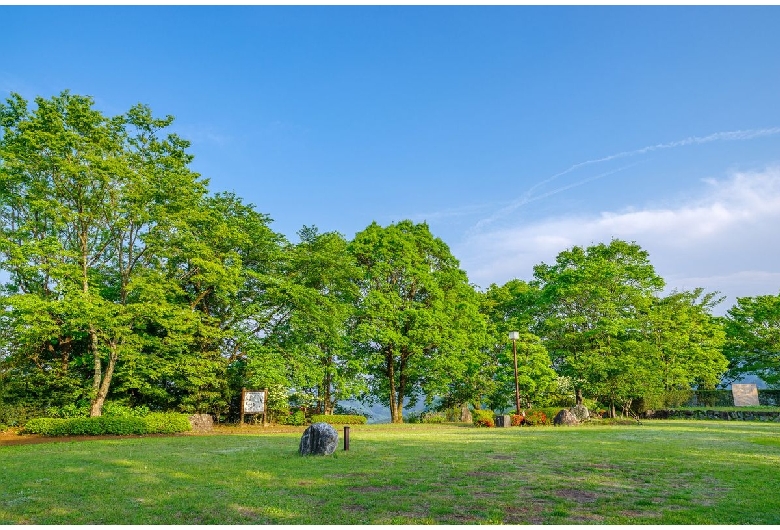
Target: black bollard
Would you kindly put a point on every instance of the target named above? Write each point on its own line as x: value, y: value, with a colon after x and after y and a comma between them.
x: 346, y: 437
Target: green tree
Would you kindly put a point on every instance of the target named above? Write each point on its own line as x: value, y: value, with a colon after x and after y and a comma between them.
x: 514, y: 307
x: 752, y: 346
x: 686, y: 340
x: 414, y: 315
x: 87, y: 205
x: 592, y: 300
x: 316, y: 294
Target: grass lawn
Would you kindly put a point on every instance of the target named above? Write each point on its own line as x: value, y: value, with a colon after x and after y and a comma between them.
x: 662, y: 472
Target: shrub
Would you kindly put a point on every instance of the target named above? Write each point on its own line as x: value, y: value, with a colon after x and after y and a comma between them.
x: 71, y: 410
x: 45, y: 426
x: 414, y: 417
x: 517, y: 419
x: 483, y: 418
x: 339, y: 419
x: 166, y: 423
x: 114, y: 409
x: 3, y: 427
x: 293, y: 418
x: 536, y: 417
x: 158, y: 422
x: 433, y: 417
x: 17, y: 415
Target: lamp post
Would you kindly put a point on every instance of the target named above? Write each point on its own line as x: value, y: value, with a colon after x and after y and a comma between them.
x: 513, y: 336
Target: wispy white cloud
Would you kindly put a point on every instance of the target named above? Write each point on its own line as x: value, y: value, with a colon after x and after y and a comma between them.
x: 529, y: 195
x: 725, y: 239
x: 201, y: 134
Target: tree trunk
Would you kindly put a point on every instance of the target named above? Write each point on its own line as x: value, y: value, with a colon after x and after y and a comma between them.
x: 96, y: 408
x: 391, y: 384
x: 97, y: 403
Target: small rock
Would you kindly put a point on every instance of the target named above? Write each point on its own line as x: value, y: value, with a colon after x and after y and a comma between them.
x: 565, y: 417
x: 580, y: 412
x: 318, y: 439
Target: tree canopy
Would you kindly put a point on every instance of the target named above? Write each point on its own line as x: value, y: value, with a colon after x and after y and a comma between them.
x: 127, y: 280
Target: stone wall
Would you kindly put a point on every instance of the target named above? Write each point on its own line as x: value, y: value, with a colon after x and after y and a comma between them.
x: 739, y: 415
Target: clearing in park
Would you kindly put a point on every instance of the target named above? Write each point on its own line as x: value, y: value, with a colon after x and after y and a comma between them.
x: 661, y: 472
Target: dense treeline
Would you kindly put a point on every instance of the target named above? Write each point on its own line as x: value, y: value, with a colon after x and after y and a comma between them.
x: 128, y: 282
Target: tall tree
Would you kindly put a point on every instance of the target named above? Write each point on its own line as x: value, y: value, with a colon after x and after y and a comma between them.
x: 686, y: 340
x: 87, y: 203
x: 514, y: 307
x: 752, y: 346
x: 414, y: 314
x: 591, y: 299
x: 317, y: 291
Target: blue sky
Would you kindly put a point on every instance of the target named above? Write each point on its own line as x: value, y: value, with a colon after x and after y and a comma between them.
x: 516, y: 132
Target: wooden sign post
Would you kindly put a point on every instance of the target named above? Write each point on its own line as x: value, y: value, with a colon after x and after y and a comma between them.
x: 253, y: 402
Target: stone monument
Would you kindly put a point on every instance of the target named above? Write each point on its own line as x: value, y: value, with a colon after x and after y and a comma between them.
x: 745, y: 395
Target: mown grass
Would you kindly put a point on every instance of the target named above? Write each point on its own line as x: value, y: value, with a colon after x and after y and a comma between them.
x: 661, y: 472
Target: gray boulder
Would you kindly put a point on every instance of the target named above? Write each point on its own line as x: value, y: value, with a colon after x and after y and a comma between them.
x: 565, y: 417
x: 318, y: 439
x: 580, y: 412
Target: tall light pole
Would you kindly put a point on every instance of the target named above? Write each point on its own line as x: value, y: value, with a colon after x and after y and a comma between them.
x: 513, y: 336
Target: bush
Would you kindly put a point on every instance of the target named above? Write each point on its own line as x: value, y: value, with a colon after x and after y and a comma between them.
x: 517, y: 420
x: 71, y: 410
x: 483, y: 418
x: 433, y: 417
x: 536, y: 417
x: 3, y: 427
x: 294, y: 418
x: 166, y: 423
x: 118, y: 410
x: 45, y: 426
x: 18, y: 415
x: 155, y: 423
x: 339, y: 419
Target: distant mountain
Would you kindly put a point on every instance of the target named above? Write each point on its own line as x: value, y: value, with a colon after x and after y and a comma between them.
x: 378, y: 413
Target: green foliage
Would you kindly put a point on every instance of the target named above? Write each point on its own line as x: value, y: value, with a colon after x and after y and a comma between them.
x: 294, y: 418
x: 537, y: 417
x: 166, y: 423
x: 591, y: 301
x: 16, y: 415
x: 753, y: 338
x: 45, y: 426
x: 153, y: 423
x: 483, y: 418
x: 417, y: 323
x: 339, y: 419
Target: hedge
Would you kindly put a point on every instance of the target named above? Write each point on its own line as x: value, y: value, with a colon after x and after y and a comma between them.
x: 339, y: 419
x: 155, y: 423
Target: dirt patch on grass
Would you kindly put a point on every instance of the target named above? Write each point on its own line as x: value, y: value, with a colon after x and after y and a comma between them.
x: 637, y: 513
x: 501, y: 457
x: 529, y: 514
x: 577, y: 495
x: 26, y: 439
x: 374, y: 489
x: 482, y: 474
x: 14, y: 438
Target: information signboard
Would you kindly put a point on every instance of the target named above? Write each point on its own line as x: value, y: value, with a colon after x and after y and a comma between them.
x: 253, y: 402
